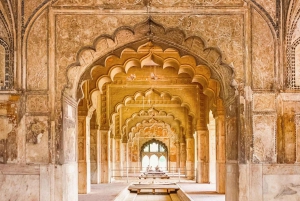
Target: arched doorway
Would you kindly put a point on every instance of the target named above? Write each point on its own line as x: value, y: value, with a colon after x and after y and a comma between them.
x: 192, y: 71
x: 154, y: 154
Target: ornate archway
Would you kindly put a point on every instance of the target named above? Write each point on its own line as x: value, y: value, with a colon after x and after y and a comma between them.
x: 146, y: 72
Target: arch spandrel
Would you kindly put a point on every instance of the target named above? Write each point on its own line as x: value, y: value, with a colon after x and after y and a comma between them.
x: 162, y: 37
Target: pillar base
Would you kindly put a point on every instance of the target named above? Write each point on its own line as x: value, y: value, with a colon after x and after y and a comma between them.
x: 202, y: 172
x: 84, y: 180
x: 221, y: 177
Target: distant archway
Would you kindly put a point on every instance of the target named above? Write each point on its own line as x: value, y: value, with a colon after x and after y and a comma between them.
x: 204, y: 67
x: 156, y: 152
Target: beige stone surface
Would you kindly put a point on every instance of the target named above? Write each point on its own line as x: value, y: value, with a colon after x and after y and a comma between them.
x: 37, y: 49
x: 144, y: 69
x: 256, y: 182
x: 264, y: 138
x: 264, y: 102
x: 12, y: 188
x: 281, y: 187
x: 263, y: 58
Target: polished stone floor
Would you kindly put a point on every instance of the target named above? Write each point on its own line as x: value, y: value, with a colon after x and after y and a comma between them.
x: 108, y: 192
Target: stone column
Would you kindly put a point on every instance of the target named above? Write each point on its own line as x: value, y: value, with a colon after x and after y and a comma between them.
x: 104, y: 142
x: 116, y: 152
x: 203, y: 156
x: 232, y: 167
x: 84, y: 174
x: 190, y: 157
x: 182, y: 157
x: 177, y: 155
x: 95, y: 157
x: 124, y: 158
x: 220, y: 141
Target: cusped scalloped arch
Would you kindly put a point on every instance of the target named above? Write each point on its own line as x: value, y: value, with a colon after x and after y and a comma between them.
x: 136, y: 129
x: 200, y: 74
x: 105, y: 45
x: 163, y: 95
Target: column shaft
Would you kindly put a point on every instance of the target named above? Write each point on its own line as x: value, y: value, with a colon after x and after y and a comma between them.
x: 190, y: 158
x: 220, y: 168
x: 84, y: 174
x: 203, y: 156
x: 104, y: 142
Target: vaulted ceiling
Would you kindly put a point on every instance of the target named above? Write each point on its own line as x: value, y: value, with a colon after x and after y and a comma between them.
x: 151, y: 86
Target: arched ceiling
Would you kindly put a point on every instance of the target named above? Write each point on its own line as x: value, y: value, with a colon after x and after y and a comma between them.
x: 151, y: 83
x: 153, y: 128
x: 127, y: 39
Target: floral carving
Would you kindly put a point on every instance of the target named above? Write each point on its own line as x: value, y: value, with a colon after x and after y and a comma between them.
x: 37, y: 103
x: 35, y: 132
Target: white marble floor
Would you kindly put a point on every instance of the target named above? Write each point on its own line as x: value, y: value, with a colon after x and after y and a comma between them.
x: 107, y: 192
x: 135, y: 197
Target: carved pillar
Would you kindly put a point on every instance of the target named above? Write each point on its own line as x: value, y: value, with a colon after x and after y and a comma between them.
x: 221, y: 152
x: 104, y: 142
x: 232, y: 168
x: 190, y: 149
x: 190, y: 157
x: 124, y: 157
x: 203, y: 156
x: 177, y: 155
x: 95, y: 157
x: 182, y: 156
x: 84, y: 185
x: 116, y: 151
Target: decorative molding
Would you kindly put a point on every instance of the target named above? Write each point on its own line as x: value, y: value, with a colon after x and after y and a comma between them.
x: 37, y: 103
x: 264, y: 102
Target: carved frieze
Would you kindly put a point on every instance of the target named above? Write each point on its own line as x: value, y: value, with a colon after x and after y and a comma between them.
x: 137, y: 4
x: 37, y: 103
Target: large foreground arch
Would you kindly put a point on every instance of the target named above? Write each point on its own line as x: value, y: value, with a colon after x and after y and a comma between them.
x: 107, y: 49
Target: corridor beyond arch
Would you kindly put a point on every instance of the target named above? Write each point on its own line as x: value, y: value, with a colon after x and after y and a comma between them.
x: 157, y: 153
x: 152, y: 89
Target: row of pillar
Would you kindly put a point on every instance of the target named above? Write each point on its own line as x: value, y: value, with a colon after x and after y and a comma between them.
x: 111, y: 153
x: 101, y: 154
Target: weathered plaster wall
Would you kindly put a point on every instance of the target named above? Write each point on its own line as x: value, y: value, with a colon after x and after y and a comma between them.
x: 73, y: 29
